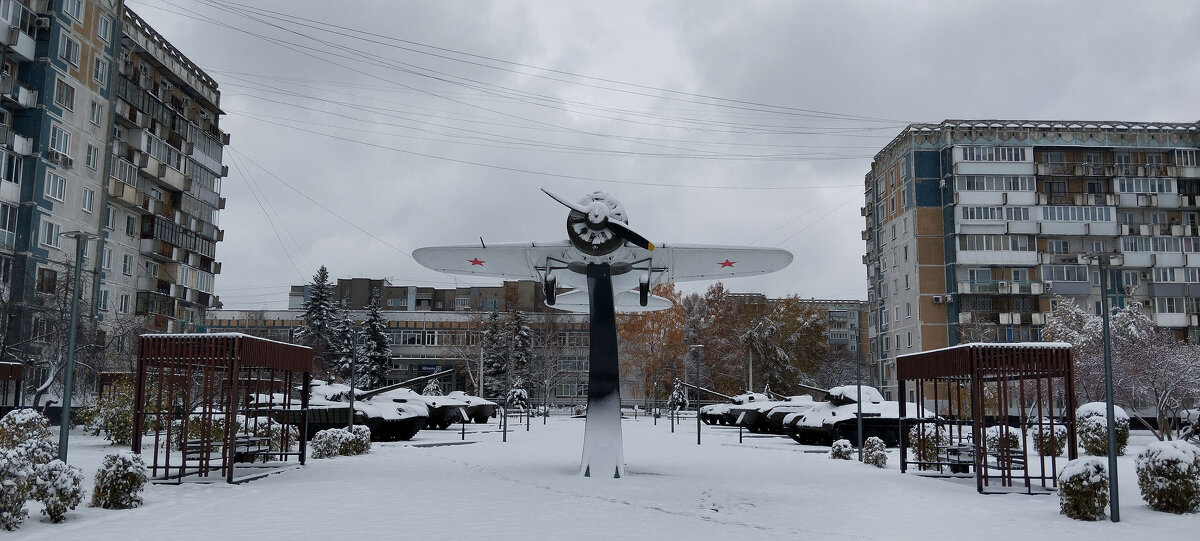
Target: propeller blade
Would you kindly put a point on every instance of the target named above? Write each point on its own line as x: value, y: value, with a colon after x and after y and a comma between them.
x: 566, y: 202
x: 622, y: 230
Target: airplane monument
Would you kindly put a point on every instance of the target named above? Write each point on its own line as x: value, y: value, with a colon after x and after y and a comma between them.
x: 609, y: 267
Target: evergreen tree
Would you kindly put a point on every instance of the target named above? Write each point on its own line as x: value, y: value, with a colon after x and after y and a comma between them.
x: 492, y: 344
x: 345, y: 349
x: 518, y: 338
x: 320, y: 322
x: 377, y: 354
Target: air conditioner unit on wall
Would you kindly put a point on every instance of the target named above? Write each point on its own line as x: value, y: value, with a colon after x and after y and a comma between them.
x: 41, y: 23
x: 939, y: 299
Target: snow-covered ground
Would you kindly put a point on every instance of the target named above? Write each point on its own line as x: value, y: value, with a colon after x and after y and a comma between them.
x: 765, y: 488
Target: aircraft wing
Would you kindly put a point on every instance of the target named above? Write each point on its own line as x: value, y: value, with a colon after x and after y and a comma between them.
x: 516, y: 260
x: 686, y: 262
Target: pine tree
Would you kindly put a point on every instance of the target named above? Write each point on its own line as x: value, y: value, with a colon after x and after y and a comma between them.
x: 377, y: 354
x: 320, y: 322
x: 518, y: 339
x: 492, y: 344
x: 345, y: 350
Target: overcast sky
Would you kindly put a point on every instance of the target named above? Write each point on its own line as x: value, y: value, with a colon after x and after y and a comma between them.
x: 363, y: 130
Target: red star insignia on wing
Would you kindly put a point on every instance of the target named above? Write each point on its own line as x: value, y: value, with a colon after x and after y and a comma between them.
x: 476, y: 261
x: 726, y: 263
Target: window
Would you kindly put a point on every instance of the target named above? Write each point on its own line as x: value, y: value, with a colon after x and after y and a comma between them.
x: 896, y: 314
x: 100, y: 71
x: 106, y: 258
x: 1058, y: 246
x: 909, y: 333
x: 56, y: 187
x: 1065, y: 273
x: 905, y: 281
x: 131, y: 225
x: 47, y: 280
x: 1154, y: 159
x: 10, y: 167
x: 104, y: 28
x: 1168, y: 305
x: 1186, y: 158
x: 64, y: 95
x: 906, y: 252
x: 60, y: 139
x: 5, y: 270
x: 997, y: 243
x: 1164, y: 275
x: 68, y: 49
x: 96, y: 113
x: 123, y: 304
x: 893, y: 231
x: 1130, y: 278
x: 993, y: 154
x: 1145, y: 185
x: 109, y: 215
x: 90, y: 159
x: 102, y: 300
x: 1055, y: 157
x: 50, y: 231
x: 908, y: 309
x: 8, y: 226
x: 88, y: 200
x: 1191, y: 275
x: 1097, y: 246
x: 152, y: 269
x: 74, y: 8
x: 1062, y: 213
x: 994, y: 183
x: 127, y: 265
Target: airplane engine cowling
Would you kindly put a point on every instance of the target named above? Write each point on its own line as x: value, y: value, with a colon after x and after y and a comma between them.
x: 590, y: 237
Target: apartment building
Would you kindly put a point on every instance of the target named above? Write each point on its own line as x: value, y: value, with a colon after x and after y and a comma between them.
x: 975, y: 227
x: 109, y: 130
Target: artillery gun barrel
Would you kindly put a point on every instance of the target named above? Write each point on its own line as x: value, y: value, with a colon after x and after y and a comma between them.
x: 710, y: 391
x: 394, y: 386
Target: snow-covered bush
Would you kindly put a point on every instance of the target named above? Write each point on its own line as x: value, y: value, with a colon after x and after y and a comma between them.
x: 1091, y: 426
x: 281, y: 438
x: 1002, y: 437
x: 59, y: 486
x: 1169, y: 476
x: 15, y: 476
x: 1083, y: 488
x: 841, y: 450
x: 518, y: 399
x: 1049, y: 439
x: 22, y: 425
x: 119, y: 481
x: 925, y: 438
x: 333, y: 442
x: 678, y: 399
x: 874, y: 452
x: 114, y: 414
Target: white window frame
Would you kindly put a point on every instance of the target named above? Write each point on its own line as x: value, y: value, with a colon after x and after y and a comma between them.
x: 97, y: 113
x: 104, y: 28
x: 56, y: 187
x: 106, y: 258
x: 50, y: 234
x: 64, y: 94
x: 60, y: 139
x: 88, y: 201
x: 102, y: 300
x: 73, y: 8
x: 89, y: 159
x: 123, y: 304
x: 68, y: 50
x: 100, y: 71
x: 127, y: 265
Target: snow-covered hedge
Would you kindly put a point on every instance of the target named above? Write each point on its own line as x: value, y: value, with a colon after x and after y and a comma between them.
x: 874, y: 452
x: 1169, y: 476
x: 1002, y: 437
x: 59, y: 486
x: 1091, y: 426
x: 339, y: 441
x: 841, y: 450
x: 119, y: 481
x: 1050, y: 440
x: 924, y: 439
x: 15, y: 476
x: 1083, y: 488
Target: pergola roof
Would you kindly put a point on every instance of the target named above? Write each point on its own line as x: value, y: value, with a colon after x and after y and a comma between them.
x: 250, y: 351
x: 1037, y: 359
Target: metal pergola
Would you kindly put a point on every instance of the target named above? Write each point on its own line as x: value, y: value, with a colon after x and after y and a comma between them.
x: 1017, y: 389
x: 192, y: 387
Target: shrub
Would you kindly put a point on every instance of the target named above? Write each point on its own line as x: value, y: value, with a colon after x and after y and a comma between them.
x: 119, y: 481
x: 1169, y: 476
x: 339, y: 441
x: 59, y: 487
x: 1083, y: 488
x: 1002, y: 437
x: 15, y: 476
x: 875, y: 452
x: 1091, y: 426
x: 20, y: 426
x: 924, y: 439
x: 1050, y: 439
x: 841, y: 450
x: 114, y: 414
x: 281, y: 438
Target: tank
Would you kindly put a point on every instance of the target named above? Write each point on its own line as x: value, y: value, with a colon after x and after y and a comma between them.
x: 836, y: 417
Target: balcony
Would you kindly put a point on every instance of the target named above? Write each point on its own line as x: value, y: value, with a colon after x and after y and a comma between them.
x: 1171, y: 320
x: 152, y: 303
x: 15, y: 93
x: 1000, y: 287
x: 161, y: 250
x: 15, y: 142
x: 22, y: 27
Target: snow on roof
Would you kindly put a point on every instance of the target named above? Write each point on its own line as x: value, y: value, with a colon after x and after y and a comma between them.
x: 219, y: 335
x: 993, y: 344
x: 850, y: 392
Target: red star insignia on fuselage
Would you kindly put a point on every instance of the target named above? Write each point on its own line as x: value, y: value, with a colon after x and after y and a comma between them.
x: 476, y: 261
x: 726, y: 263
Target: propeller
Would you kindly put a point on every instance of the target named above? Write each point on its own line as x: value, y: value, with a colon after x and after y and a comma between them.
x: 601, y: 216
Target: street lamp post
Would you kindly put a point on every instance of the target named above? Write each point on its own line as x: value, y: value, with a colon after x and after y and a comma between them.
x: 64, y: 429
x: 858, y: 370
x: 1104, y: 260
x: 700, y: 352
